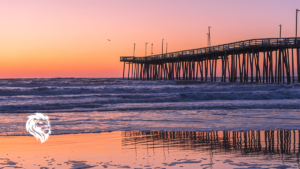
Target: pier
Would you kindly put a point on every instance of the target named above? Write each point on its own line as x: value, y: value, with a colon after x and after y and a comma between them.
x: 268, y: 60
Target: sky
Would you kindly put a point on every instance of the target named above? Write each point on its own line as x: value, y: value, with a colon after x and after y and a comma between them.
x: 68, y: 38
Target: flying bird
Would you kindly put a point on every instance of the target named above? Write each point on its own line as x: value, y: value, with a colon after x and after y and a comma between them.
x: 108, y: 39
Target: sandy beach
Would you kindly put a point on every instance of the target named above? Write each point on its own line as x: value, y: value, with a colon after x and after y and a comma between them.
x: 134, y: 149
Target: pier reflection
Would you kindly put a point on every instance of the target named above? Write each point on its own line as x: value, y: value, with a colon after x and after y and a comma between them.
x: 248, y: 143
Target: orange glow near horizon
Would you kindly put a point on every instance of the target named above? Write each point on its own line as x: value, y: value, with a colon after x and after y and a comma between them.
x: 43, y: 39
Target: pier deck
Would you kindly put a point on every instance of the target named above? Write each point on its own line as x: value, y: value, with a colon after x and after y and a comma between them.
x: 268, y: 60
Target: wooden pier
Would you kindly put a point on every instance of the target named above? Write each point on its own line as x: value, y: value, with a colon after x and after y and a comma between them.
x: 269, y: 60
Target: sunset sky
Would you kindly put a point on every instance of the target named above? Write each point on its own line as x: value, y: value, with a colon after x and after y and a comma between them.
x: 68, y: 38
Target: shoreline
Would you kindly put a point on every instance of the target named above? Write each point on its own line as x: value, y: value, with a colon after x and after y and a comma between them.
x: 152, y: 149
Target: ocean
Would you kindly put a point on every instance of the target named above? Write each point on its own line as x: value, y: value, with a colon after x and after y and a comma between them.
x: 183, y: 116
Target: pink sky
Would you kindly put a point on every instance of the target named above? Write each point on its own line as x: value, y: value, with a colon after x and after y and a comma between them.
x: 68, y: 38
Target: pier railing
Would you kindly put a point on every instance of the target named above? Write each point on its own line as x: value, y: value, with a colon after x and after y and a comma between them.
x: 246, y: 44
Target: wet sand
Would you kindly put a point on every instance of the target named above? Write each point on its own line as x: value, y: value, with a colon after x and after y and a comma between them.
x: 134, y: 149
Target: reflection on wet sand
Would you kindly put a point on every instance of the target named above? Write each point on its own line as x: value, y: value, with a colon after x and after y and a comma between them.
x: 154, y: 149
x: 263, y: 143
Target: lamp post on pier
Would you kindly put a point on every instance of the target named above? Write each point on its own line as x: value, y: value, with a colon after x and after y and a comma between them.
x: 208, y: 40
x: 133, y: 49
x: 280, y: 31
x: 296, y: 20
x: 146, y: 49
x: 151, y: 49
x: 162, y: 48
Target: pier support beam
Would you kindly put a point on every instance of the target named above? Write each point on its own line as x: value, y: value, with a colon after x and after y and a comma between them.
x: 123, y: 70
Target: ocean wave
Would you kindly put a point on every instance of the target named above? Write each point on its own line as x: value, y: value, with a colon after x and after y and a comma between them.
x: 80, y: 94
x: 161, y: 120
